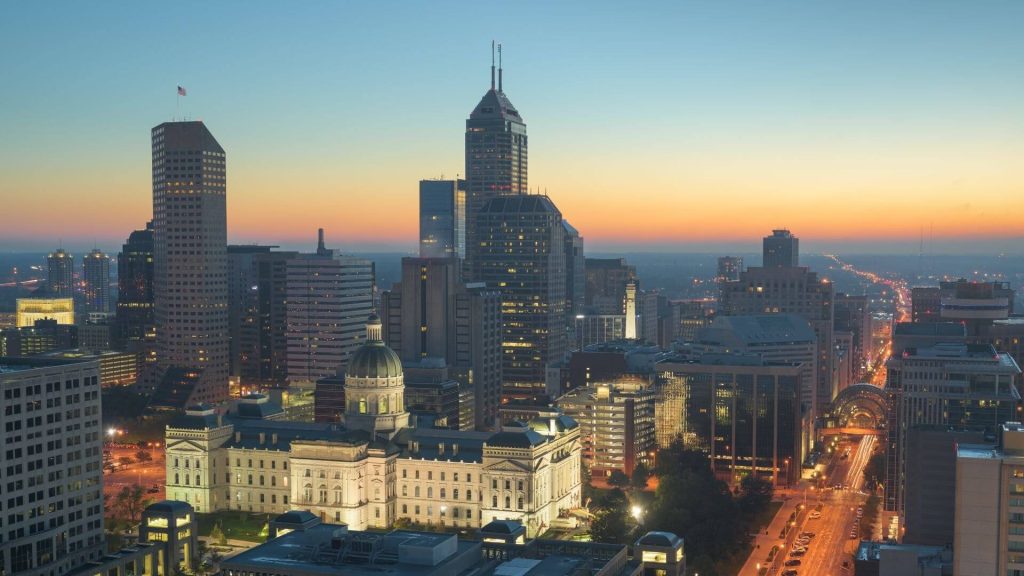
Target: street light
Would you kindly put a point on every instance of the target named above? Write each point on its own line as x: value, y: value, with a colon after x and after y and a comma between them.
x: 636, y: 511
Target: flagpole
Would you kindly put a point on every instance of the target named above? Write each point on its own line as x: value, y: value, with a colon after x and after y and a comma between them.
x: 177, y: 103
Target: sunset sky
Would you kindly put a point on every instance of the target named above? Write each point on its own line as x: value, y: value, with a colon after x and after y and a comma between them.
x: 676, y: 125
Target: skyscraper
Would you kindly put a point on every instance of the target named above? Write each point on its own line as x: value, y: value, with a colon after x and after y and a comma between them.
x: 781, y: 287
x: 60, y: 274
x: 522, y: 253
x: 781, y: 250
x: 442, y: 218
x: 495, y: 158
x: 433, y: 314
x: 257, y: 291
x: 606, y: 284
x: 328, y: 298
x: 133, y: 327
x: 575, y: 273
x: 96, y: 274
x: 190, y: 257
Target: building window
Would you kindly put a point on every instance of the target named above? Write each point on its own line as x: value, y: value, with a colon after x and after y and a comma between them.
x: 416, y: 491
x: 430, y: 474
x: 443, y: 493
x: 455, y: 494
x: 494, y: 501
x: 508, y: 502
x: 520, y: 502
x: 469, y: 495
x: 405, y: 490
x: 362, y: 405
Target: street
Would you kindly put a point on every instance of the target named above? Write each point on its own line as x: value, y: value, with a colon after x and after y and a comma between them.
x: 146, y: 474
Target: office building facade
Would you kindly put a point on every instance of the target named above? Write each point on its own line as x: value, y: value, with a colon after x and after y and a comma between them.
x: 522, y: 255
x: 328, y: 297
x: 780, y: 250
x: 605, y: 291
x: 442, y: 218
x: 190, y: 257
x: 729, y: 268
x: 740, y: 410
x: 52, y: 462
x: 431, y: 313
x: 616, y: 421
x: 134, y: 328
x: 29, y: 310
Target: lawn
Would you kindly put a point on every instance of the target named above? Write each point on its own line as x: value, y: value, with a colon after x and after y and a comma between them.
x: 235, y: 525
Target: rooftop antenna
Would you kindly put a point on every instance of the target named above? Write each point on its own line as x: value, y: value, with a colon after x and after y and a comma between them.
x: 320, y: 249
x: 492, y: 64
x: 499, y: 67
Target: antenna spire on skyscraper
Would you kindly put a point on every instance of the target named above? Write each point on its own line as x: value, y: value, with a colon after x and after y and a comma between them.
x: 499, y: 68
x: 492, y: 64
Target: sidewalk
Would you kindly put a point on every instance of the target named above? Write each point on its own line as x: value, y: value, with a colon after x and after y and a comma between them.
x: 763, y: 543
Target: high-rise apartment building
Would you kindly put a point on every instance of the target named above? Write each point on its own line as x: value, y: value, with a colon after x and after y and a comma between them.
x: 53, y: 466
x: 257, y: 293
x: 740, y: 410
x: 433, y: 314
x: 328, y: 297
x: 788, y: 289
x: 442, y: 218
x: 522, y: 254
x: 606, y: 284
x: 134, y: 323
x: 96, y: 282
x: 60, y: 274
x: 496, y: 161
x: 729, y: 268
x: 190, y: 258
x: 781, y: 250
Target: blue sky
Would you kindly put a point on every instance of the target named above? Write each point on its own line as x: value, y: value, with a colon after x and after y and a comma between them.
x: 736, y: 117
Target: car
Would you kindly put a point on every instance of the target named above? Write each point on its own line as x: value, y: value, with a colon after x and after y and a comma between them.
x: 814, y: 515
x: 798, y: 553
x: 793, y: 562
x: 789, y: 573
x: 808, y: 534
x: 152, y: 490
x: 799, y: 548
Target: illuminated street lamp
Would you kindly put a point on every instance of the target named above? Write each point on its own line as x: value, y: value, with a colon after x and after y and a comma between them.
x: 637, y: 512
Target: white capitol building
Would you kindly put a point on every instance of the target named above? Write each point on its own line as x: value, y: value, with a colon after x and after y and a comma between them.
x: 375, y: 469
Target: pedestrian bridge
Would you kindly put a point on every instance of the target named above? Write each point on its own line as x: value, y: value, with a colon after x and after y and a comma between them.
x: 859, y: 410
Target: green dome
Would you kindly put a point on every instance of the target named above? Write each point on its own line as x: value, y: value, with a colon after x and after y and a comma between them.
x: 374, y: 360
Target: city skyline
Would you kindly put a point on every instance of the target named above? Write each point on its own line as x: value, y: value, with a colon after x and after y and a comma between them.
x: 888, y: 116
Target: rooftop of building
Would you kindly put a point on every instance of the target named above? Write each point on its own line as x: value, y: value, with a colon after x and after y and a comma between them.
x: 758, y: 329
x: 22, y: 363
x: 519, y: 204
x: 332, y: 549
x: 959, y: 351
x: 952, y: 329
x: 927, y: 555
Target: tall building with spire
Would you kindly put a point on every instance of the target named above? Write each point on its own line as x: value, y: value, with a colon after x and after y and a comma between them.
x: 190, y: 264
x: 495, y: 158
x: 60, y: 274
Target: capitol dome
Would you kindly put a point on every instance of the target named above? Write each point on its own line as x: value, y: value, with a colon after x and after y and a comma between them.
x: 374, y: 359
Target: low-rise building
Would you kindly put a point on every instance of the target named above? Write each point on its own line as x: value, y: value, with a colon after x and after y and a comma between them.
x: 372, y: 468
x: 616, y: 422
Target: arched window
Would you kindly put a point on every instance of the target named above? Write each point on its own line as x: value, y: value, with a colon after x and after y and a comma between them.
x: 508, y: 501
x: 362, y: 405
x: 323, y: 494
x: 494, y: 501
x: 176, y: 481
x: 416, y: 491
x: 430, y: 491
x: 382, y: 404
x: 307, y: 493
x: 337, y: 494
x: 405, y: 490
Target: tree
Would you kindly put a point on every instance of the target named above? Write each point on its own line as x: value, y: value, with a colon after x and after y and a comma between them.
x: 874, y: 470
x: 217, y: 535
x: 614, y: 499
x: 609, y: 526
x: 640, y: 475
x: 755, y: 494
x: 125, y: 461
x: 130, y: 502
x: 618, y: 479
x: 143, y: 456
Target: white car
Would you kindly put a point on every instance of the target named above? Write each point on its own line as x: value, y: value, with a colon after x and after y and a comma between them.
x: 814, y: 515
